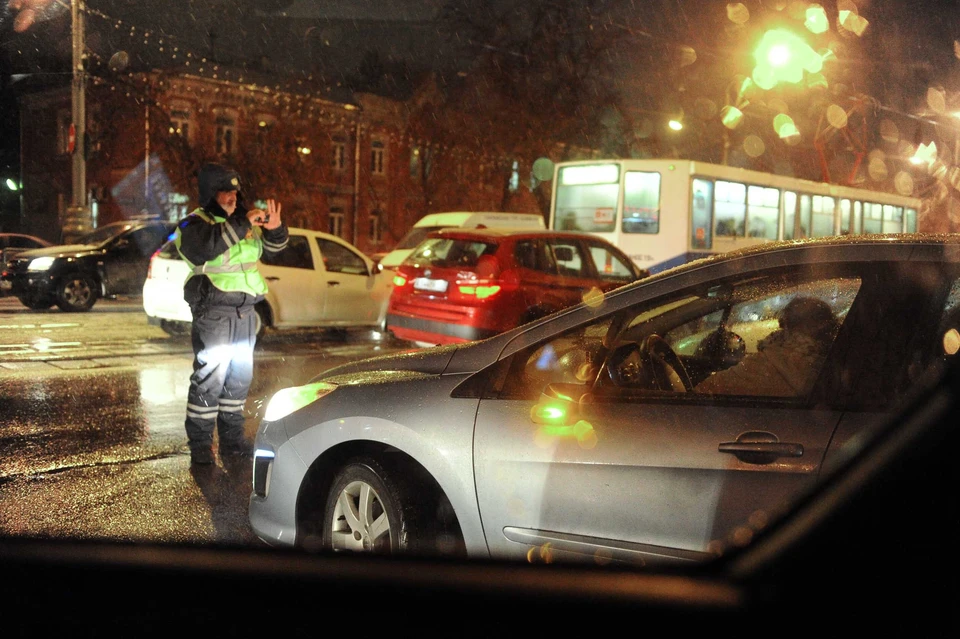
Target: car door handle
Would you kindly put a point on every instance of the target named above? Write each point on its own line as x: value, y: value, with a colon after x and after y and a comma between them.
x: 758, y: 447
x: 272, y: 278
x: 333, y: 283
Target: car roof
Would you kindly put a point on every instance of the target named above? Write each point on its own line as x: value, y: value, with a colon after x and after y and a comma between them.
x: 313, y: 233
x: 500, y: 233
x: 27, y: 235
x: 833, y: 247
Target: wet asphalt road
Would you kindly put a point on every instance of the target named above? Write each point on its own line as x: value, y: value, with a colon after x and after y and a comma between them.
x: 91, y: 425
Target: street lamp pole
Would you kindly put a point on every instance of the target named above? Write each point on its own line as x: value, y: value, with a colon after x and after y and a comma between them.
x: 78, y: 216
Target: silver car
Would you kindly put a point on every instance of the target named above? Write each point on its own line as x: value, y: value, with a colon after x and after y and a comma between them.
x: 664, y: 422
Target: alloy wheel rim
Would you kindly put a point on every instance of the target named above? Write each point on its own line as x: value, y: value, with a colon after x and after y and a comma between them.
x: 77, y: 292
x: 360, y: 523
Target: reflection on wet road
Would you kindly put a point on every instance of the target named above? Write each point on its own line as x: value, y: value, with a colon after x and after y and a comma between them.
x: 95, y: 448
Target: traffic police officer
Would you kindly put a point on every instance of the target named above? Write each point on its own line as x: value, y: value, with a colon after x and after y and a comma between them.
x: 222, y: 242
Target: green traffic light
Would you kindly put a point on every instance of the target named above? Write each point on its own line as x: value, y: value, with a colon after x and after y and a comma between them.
x: 13, y: 186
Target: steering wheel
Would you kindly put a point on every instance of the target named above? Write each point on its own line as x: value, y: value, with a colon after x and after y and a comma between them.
x: 667, y: 368
x: 624, y: 366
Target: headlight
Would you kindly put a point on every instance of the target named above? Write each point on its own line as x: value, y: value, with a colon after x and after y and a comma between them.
x: 40, y: 264
x: 288, y: 400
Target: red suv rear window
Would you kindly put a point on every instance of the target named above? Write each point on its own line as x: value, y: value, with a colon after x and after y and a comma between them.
x: 451, y: 253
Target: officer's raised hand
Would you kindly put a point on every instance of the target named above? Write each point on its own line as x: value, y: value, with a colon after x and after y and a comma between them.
x: 272, y: 220
x: 269, y: 219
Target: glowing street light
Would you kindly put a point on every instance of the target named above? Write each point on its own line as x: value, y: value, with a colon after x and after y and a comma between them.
x: 925, y: 154
x: 675, y: 125
x: 783, y: 56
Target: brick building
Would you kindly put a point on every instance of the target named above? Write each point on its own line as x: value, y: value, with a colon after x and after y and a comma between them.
x: 361, y: 166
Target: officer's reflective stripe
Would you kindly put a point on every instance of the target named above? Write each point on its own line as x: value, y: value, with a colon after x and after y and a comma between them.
x: 232, y: 405
x: 228, y: 268
x: 273, y: 247
x: 202, y: 412
x: 233, y: 239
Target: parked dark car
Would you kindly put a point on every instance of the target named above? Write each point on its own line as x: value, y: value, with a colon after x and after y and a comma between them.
x: 12, y: 244
x: 110, y: 261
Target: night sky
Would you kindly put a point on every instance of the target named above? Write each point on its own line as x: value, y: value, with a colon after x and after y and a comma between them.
x: 908, y: 47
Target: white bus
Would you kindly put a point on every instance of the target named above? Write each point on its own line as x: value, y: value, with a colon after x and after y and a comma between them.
x: 666, y: 212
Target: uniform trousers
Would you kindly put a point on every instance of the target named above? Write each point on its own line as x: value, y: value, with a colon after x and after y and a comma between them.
x: 223, y: 342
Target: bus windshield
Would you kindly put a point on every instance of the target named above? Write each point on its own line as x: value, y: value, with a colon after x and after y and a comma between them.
x: 586, y: 198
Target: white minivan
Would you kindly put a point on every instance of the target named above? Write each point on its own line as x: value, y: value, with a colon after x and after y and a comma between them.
x: 461, y: 219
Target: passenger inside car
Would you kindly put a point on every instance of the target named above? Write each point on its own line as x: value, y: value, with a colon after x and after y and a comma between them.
x: 787, y: 361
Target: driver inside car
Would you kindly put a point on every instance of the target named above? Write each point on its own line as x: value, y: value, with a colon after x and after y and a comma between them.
x: 787, y: 361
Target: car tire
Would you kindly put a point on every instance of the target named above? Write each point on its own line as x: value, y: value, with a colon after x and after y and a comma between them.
x: 392, y: 521
x: 77, y: 292
x: 263, y: 319
x: 175, y: 329
x: 36, y: 302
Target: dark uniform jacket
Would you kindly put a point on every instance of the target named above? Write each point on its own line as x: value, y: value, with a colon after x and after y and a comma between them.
x: 201, y: 241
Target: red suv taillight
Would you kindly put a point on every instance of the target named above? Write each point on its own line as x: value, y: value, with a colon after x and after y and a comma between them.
x: 494, y: 283
x: 481, y: 291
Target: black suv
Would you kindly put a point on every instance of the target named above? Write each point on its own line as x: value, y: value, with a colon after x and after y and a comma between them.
x: 110, y: 261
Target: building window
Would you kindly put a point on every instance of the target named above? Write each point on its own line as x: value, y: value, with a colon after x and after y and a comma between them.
x: 225, y: 141
x: 336, y: 221
x: 338, y: 157
x: 376, y: 157
x: 415, y: 162
x: 180, y: 124
x: 421, y: 159
x: 265, y: 125
x: 515, y: 176
x: 375, y: 227
x: 63, y: 132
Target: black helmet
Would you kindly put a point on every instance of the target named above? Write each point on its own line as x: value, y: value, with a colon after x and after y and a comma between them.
x: 213, y: 178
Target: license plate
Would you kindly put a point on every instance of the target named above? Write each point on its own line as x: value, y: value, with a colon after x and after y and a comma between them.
x: 5, y: 285
x: 426, y: 284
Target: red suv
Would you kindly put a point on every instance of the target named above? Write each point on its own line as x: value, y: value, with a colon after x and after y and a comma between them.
x: 465, y: 284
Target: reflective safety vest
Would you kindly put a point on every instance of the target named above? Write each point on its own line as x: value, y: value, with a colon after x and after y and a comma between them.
x: 234, y: 270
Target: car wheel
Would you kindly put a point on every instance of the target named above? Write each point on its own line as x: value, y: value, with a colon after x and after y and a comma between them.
x: 77, y: 292
x: 263, y: 319
x: 36, y: 302
x: 175, y: 329
x: 370, y: 510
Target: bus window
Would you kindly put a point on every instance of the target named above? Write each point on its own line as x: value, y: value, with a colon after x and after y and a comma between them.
x: 641, y: 202
x: 801, y: 226
x: 872, y: 217
x: 701, y: 233
x: 763, y: 212
x: 845, y: 205
x: 731, y: 209
x: 911, y: 225
x: 892, y: 219
x: 823, y: 214
x: 586, y: 198
x: 857, y: 218
x: 789, y: 215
